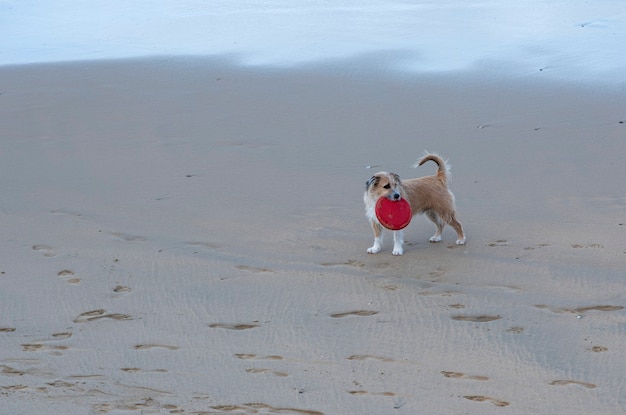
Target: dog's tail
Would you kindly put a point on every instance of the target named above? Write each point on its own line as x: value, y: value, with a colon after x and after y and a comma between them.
x: 443, y: 170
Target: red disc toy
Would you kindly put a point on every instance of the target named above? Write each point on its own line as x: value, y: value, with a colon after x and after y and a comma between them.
x: 393, y: 214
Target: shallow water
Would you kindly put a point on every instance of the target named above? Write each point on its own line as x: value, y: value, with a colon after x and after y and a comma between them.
x: 566, y: 40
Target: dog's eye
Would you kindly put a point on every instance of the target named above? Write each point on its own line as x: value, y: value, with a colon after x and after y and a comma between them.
x: 387, y: 186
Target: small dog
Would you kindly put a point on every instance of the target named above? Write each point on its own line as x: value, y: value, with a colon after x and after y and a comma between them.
x: 429, y: 195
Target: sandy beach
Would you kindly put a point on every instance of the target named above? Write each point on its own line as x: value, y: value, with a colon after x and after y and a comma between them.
x: 187, y: 236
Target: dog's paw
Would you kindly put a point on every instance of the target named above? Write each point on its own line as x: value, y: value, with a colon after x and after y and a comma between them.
x: 373, y: 250
x: 460, y: 241
x: 435, y: 238
x: 397, y: 251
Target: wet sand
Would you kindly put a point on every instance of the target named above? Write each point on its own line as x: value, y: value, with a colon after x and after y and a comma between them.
x: 187, y: 236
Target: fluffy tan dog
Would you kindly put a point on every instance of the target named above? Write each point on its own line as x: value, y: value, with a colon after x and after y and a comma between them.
x: 429, y: 195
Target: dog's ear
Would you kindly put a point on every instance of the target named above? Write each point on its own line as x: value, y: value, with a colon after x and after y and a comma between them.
x: 372, y: 181
x: 396, y: 177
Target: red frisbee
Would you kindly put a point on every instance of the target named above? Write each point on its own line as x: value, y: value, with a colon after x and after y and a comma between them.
x: 393, y: 214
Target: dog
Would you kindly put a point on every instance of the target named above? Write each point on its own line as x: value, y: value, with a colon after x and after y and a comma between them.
x: 427, y: 195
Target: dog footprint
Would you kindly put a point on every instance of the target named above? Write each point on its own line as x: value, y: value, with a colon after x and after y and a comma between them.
x: 99, y: 315
x: 572, y: 382
x: 240, y: 326
x: 271, y: 372
x: 154, y: 346
x: 362, y: 313
x: 69, y: 276
x: 46, y: 250
x: 476, y: 319
x: 61, y: 384
x: 368, y: 357
x: 253, y: 269
x: 580, y: 310
x: 138, y: 370
x: 40, y: 347
x: 363, y: 392
x: 258, y: 407
x: 478, y: 398
x: 449, y: 293
x: 499, y: 242
x: 245, y: 356
x: 121, y: 290
x: 350, y: 263
x: 578, y: 246
x: 459, y: 375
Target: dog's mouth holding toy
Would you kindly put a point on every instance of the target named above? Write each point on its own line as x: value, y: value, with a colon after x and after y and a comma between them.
x: 393, y: 212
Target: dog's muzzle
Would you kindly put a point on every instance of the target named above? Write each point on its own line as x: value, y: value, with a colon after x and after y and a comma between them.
x: 395, y: 196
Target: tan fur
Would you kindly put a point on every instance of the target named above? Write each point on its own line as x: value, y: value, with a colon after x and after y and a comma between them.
x: 427, y: 195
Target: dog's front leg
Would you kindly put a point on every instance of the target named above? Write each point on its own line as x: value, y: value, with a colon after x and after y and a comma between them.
x: 378, y: 239
x: 398, y: 241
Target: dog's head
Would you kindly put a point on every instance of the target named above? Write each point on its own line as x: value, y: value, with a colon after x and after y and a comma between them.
x: 384, y: 184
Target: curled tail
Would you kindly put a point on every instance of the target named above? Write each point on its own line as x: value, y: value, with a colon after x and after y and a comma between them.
x: 443, y: 170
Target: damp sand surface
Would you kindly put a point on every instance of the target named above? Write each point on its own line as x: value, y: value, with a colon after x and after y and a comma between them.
x: 188, y: 236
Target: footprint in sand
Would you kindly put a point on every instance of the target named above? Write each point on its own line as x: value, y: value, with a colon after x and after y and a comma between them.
x: 499, y: 242
x: 578, y: 246
x: 13, y: 388
x: 41, y: 347
x: 449, y: 293
x: 258, y: 407
x: 268, y: 371
x: 245, y: 356
x: 138, y: 370
x: 350, y: 263
x: 10, y: 371
x: 122, y: 290
x: 145, y: 405
x: 241, y: 326
x: 362, y: 392
x: 368, y: 357
x: 7, y: 329
x: 362, y: 313
x: 69, y: 276
x: 532, y: 248
x: 99, y: 315
x: 572, y: 382
x: 580, y: 310
x: 459, y: 375
x: 154, y: 346
x: 257, y: 270
x: 46, y: 250
x: 61, y: 384
x: 478, y: 398
x: 476, y: 319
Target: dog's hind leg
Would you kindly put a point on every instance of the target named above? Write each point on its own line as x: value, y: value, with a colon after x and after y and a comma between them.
x: 438, y: 222
x: 456, y: 225
x: 378, y: 239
